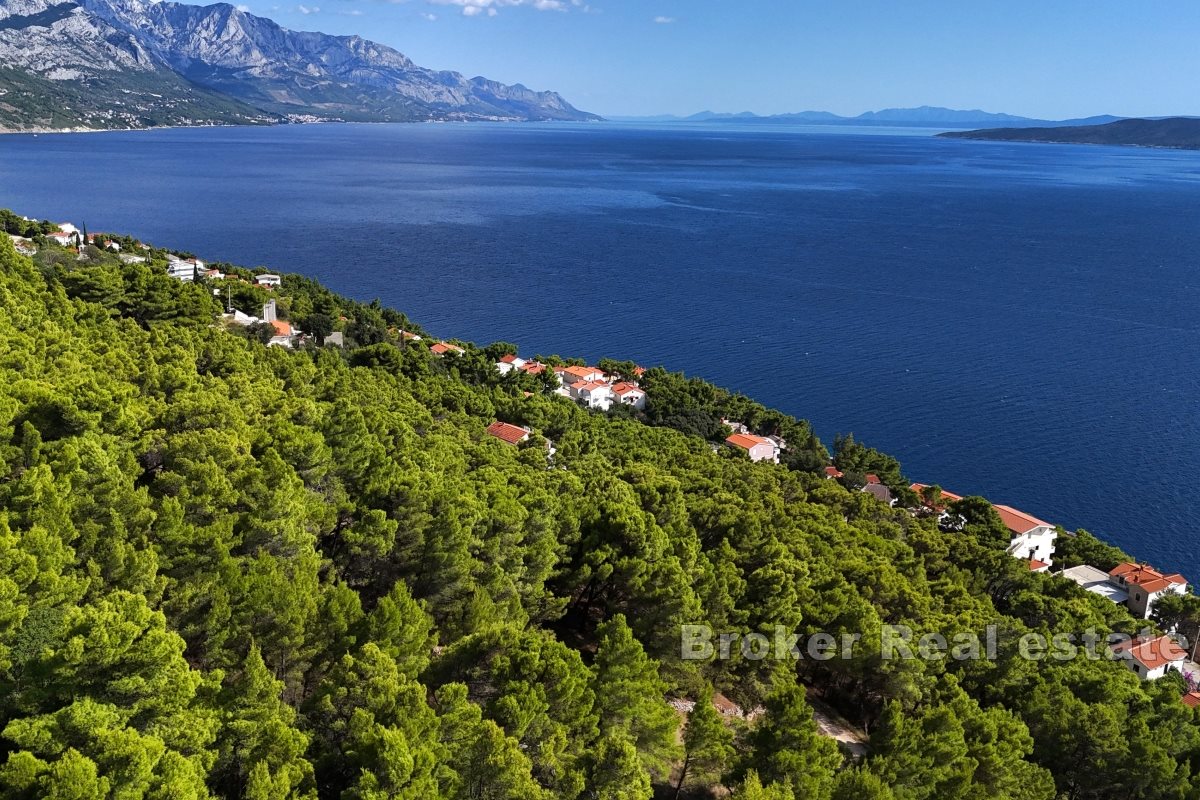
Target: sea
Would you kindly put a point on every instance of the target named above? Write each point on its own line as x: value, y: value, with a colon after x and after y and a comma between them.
x: 1020, y: 321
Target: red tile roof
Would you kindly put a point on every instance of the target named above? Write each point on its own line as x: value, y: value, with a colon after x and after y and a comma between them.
x: 1147, y: 577
x: 639, y: 372
x: 1152, y: 653
x: 746, y: 441
x: 508, y: 359
x: 442, y: 347
x: 833, y: 472
x: 1018, y: 521
x: 1192, y: 699
x: 871, y: 477
x: 533, y: 368
x: 1037, y: 566
x: 625, y: 388
x: 282, y: 328
x: 507, y: 433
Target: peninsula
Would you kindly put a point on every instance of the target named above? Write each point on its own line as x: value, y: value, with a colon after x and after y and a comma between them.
x: 1181, y: 133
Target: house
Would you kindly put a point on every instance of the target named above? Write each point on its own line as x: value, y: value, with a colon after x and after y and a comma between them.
x: 284, y: 333
x: 409, y: 336
x: 1032, y: 539
x: 593, y: 394
x: 22, y: 244
x: 66, y: 227
x: 1096, y: 581
x: 509, y: 363
x: 64, y: 238
x: 214, y: 274
x: 1145, y: 586
x: 759, y: 448
x: 268, y: 280
x: 833, y: 472
x: 181, y: 269
x: 629, y: 394
x: 238, y: 318
x: 1038, y: 566
x: 533, y: 368
x: 571, y: 375
x: 877, y: 490
x: 1151, y: 658
x: 946, y: 497
x: 511, y: 434
x: 441, y: 348
x: 1191, y: 699
x: 735, y: 426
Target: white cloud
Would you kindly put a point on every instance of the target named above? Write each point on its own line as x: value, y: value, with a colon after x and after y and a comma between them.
x: 308, y: 9
x: 664, y: 20
x: 474, y: 8
x: 243, y: 8
x: 425, y: 15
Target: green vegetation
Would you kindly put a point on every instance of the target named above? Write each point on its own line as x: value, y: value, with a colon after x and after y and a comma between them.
x: 231, y: 570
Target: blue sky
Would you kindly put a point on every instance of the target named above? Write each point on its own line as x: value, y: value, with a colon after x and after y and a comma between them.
x: 1040, y: 58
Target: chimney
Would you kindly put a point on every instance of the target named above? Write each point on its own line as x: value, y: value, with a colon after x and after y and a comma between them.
x: 269, y: 311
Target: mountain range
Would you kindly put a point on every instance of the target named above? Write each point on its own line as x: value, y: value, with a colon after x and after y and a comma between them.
x: 134, y: 64
x: 923, y: 116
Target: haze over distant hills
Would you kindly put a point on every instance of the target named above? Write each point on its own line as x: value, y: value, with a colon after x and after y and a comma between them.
x: 923, y: 116
x: 134, y: 64
x: 1181, y: 133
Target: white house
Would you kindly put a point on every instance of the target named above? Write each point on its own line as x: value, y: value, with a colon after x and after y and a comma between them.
x: 1145, y: 586
x: 629, y: 394
x: 593, y: 394
x: 182, y: 269
x: 759, y: 448
x: 67, y: 227
x: 64, y: 238
x: 238, y: 318
x: 268, y: 281
x: 1151, y: 658
x: 1032, y: 539
x: 508, y: 363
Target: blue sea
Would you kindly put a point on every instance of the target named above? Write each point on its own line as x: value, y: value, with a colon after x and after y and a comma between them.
x: 1014, y: 320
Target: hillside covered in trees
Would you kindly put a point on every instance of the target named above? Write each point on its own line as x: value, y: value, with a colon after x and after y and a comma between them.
x: 232, y: 570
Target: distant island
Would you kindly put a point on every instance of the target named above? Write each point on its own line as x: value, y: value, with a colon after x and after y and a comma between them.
x: 919, y: 117
x: 1182, y: 133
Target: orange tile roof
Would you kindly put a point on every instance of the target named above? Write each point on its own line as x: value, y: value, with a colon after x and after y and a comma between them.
x: 833, y: 472
x: 625, y: 388
x: 947, y: 496
x: 1152, y: 653
x: 281, y: 328
x: 1191, y: 699
x: 1147, y: 577
x: 1018, y: 521
x: 442, y: 347
x: 533, y: 368
x: 639, y: 372
x: 507, y: 433
x: 581, y: 372
x: 746, y: 440
x: 1037, y: 566
x: 508, y: 359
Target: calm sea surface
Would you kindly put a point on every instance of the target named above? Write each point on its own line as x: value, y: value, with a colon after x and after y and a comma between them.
x: 1019, y: 321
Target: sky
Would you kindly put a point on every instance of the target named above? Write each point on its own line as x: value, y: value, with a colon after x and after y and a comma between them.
x: 1051, y: 59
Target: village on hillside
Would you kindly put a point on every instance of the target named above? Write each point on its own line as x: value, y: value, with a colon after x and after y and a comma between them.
x: 1138, y: 587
